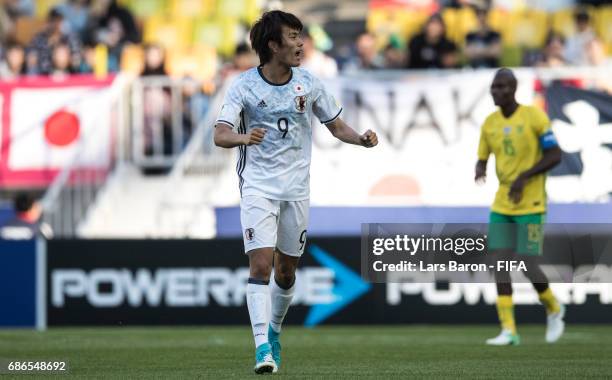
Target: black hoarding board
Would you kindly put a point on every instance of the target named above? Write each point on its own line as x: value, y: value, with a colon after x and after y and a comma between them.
x: 192, y: 282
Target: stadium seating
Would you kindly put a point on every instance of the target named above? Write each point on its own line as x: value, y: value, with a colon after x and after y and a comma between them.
x: 167, y: 31
x: 526, y: 28
x: 198, y: 61
x: 603, y: 26
x: 144, y: 9
x: 44, y: 6
x: 522, y: 28
x: 132, y: 58
x: 192, y: 8
x: 563, y: 22
x: 221, y: 33
x: 459, y: 22
x: 402, y: 23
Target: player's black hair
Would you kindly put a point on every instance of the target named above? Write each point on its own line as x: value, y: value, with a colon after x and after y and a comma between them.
x: 504, y: 71
x: 23, y: 201
x: 269, y: 28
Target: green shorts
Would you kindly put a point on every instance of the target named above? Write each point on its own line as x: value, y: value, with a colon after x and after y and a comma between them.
x: 523, y: 234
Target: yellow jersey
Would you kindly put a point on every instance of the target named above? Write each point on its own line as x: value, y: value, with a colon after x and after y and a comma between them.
x: 517, y: 143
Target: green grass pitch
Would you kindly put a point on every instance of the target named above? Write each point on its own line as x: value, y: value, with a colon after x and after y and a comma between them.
x: 324, y: 352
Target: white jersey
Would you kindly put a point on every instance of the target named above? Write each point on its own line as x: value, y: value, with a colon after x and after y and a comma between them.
x: 278, y: 168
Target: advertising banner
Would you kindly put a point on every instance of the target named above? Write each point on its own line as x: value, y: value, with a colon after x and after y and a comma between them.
x: 93, y: 282
x: 582, y: 122
x: 423, y: 168
x: 428, y: 128
x: 21, y: 271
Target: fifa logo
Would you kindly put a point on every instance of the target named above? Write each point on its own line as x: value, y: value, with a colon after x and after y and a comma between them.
x: 300, y: 103
x: 249, y: 233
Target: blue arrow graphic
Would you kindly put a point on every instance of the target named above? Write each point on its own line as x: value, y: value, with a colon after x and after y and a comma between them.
x: 348, y: 287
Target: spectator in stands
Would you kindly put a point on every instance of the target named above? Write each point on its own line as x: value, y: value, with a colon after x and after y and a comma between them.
x: 483, y: 46
x: 88, y: 59
x: 19, y: 8
x: 596, y: 54
x: 576, y: 48
x: 367, y: 57
x: 53, y: 34
x: 157, y: 105
x: 394, y: 55
x: 552, y: 54
x: 114, y: 38
x: 105, y: 11
x: 27, y: 222
x: 430, y: 49
x: 13, y: 63
x: 76, y: 14
x: 31, y: 62
x: 60, y: 58
x: 154, y: 61
x: 244, y: 58
x: 6, y: 26
x: 317, y: 62
x: 195, y: 104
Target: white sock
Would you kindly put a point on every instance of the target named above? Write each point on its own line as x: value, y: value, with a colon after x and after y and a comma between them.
x: 258, y: 296
x: 281, y: 299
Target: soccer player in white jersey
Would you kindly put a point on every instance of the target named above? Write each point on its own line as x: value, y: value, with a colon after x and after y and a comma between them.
x: 267, y: 114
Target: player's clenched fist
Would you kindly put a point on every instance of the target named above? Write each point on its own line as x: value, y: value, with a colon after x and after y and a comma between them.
x: 369, y: 139
x: 255, y: 136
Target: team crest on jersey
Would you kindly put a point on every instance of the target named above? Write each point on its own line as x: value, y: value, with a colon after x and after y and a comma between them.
x: 299, y: 88
x: 300, y: 103
x: 507, y: 130
x: 249, y: 234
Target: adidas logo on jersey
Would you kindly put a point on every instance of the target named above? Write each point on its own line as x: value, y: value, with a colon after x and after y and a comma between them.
x: 262, y: 104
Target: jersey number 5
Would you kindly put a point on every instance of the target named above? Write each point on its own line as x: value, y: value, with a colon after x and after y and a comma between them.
x: 283, y: 126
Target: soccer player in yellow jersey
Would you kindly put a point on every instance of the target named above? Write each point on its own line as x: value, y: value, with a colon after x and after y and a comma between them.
x: 525, y: 149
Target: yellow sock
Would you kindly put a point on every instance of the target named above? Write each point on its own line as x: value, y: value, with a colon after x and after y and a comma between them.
x: 505, y: 311
x: 549, y: 301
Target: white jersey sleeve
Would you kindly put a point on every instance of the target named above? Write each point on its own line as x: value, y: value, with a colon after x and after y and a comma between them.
x: 232, y: 106
x: 324, y: 106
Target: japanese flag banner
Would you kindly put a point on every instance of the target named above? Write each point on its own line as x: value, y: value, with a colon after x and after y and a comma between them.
x: 45, y: 123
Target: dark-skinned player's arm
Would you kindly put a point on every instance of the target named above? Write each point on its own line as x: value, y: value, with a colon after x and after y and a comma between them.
x: 481, y: 172
x: 551, y: 157
x: 225, y: 137
x: 483, y: 156
x: 340, y: 130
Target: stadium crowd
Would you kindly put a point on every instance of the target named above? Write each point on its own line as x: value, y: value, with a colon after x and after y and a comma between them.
x: 65, y: 42
x: 69, y: 39
x: 432, y: 49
